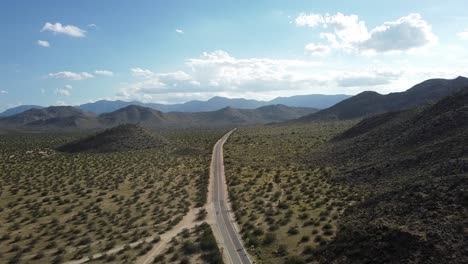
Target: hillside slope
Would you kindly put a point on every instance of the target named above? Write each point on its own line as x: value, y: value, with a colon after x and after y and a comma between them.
x: 411, y: 167
x: 19, y: 109
x: 369, y: 103
x: 51, y: 118
x: 120, y: 138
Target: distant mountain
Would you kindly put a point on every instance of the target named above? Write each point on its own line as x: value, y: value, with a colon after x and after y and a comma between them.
x: 227, y: 116
x: 369, y: 103
x: 51, y: 118
x: 310, y: 101
x: 319, y: 101
x: 411, y: 165
x: 105, y: 106
x: 134, y: 114
x: 19, y: 109
x: 120, y: 138
x: 69, y: 118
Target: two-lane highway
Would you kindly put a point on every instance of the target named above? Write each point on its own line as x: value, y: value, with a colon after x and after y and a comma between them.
x: 223, y: 226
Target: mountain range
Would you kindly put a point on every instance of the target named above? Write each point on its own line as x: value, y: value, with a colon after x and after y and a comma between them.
x: 370, y: 103
x: 318, y: 101
x: 365, y: 104
x: 65, y: 118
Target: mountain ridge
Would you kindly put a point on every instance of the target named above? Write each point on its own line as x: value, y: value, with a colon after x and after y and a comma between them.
x: 64, y: 118
x: 319, y: 101
x: 369, y: 103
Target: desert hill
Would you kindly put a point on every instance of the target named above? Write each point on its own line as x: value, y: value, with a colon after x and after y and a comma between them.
x: 370, y: 103
x: 67, y: 118
x: 124, y: 137
x: 412, y: 168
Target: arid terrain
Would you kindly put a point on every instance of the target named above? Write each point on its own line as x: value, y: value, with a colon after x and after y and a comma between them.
x: 57, y: 206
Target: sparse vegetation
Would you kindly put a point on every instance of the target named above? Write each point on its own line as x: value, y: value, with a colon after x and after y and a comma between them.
x: 195, y: 246
x: 279, y: 198
x: 57, y: 206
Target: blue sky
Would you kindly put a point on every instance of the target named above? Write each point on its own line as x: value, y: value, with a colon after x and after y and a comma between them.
x: 72, y: 52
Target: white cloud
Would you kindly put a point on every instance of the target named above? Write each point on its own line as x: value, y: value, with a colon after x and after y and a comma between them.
x: 92, y: 26
x: 3, y: 92
x: 43, y: 91
x: 219, y: 72
x: 103, y: 73
x: 317, y: 49
x: 43, y: 43
x: 139, y: 72
x: 69, y: 30
x: 310, y: 20
x: 65, y: 91
x: 180, y: 31
x: 73, y: 76
x: 60, y: 103
x: 404, y: 34
x: 463, y: 35
x: 349, y: 33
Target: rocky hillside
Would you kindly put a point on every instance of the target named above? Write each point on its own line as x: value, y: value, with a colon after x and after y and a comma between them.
x: 411, y: 167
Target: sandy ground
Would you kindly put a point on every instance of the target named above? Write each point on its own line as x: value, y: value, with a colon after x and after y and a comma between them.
x: 188, y: 221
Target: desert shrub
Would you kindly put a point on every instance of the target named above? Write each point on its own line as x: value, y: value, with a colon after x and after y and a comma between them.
x: 269, y: 238
x: 189, y: 247
x: 294, y: 260
x: 293, y: 230
x: 282, y: 250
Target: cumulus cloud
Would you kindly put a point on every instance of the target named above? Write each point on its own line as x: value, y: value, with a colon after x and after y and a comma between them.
x: 220, y: 72
x: 73, y: 76
x: 350, y: 33
x: 180, y: 31
x: 69, y: 30
x: 404, y: 34
x: 309, y: 20
x: 64, y: 91
x: 43, y: 43
x: 103, y: 72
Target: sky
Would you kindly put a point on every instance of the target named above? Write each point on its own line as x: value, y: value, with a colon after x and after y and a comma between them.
x: 74, y: 52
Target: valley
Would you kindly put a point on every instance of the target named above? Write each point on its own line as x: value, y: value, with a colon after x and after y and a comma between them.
x: 233, y: 132
x: 150, y: 187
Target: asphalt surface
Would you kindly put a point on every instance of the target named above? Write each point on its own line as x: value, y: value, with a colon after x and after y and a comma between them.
x: 232, y: 246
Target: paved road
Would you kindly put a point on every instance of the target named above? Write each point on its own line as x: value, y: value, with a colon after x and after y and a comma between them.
x: 232, y: 246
